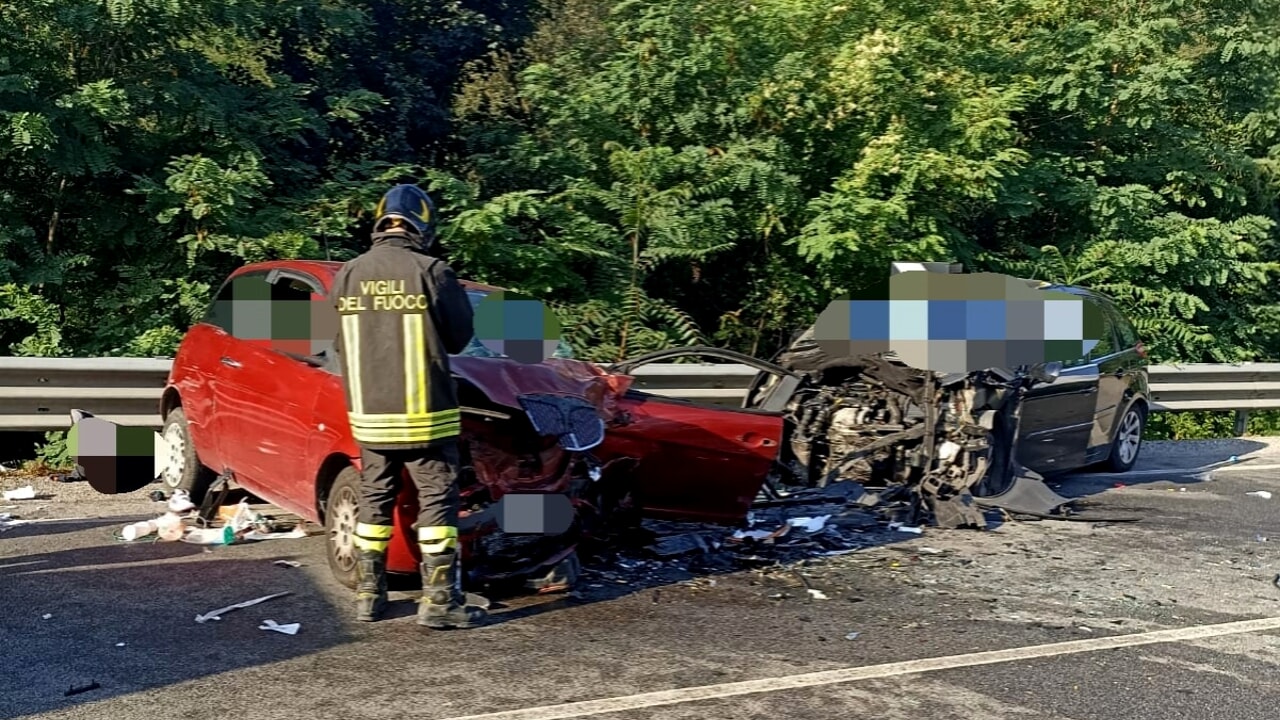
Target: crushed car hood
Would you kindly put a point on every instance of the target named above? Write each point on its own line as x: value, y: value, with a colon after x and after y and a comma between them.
x: 504, y: 381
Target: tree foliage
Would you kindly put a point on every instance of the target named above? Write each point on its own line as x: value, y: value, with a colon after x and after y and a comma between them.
x: 662, y: 172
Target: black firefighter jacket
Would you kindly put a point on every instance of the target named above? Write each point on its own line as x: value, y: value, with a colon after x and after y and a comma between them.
x: 402, y: 313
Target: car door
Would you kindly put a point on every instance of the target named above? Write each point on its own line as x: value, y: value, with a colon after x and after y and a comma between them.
x: 266, y: 390
x: 696, y: 461
x: 1116, y: 373
x: 1058, y: 417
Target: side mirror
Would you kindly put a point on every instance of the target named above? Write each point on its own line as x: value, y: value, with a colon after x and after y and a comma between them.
x: 1047, y: 372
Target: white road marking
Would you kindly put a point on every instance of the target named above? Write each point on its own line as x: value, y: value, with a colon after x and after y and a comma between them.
x: 641, y: 701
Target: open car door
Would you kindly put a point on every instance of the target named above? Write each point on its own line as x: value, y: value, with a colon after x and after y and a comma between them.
x: 695, y: 459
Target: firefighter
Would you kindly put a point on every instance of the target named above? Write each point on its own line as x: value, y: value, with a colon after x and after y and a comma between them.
x: 402, y: 313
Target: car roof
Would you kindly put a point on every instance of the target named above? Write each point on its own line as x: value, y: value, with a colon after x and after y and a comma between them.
x: 326, y: 270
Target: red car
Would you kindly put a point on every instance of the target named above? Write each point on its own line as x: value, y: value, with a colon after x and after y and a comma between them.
x: 268, y: 414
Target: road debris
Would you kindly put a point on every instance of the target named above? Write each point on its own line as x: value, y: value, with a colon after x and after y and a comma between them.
x: 217, y: 614
x: 289, y: 629
x: 23, y: 493
x: 288, y: 563
x: 73, y: 690
x: 1264, y: 494
x: 809, y: 524
x: 906, y: 529
x: 852, y: 636
x: 47, y: 616
x: 818, y: 594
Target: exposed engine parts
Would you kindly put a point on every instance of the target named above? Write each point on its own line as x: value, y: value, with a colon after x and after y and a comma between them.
x: 922, y: 440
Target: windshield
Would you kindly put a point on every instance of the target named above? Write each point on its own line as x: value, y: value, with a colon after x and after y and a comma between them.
x: 477, y: 349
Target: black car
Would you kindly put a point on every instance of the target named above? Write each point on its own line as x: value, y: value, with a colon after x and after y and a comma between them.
x: 993, y: 434
x: 1095, y: 410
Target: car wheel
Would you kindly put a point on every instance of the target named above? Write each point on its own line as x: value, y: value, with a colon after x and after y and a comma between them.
x: 182, y: 468
x: 340, y: 517
x: 1128, y: 440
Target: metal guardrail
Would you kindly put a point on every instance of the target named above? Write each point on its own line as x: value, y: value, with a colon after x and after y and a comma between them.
x: 37, y: 394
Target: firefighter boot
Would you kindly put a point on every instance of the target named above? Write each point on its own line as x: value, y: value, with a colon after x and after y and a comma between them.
x: 443, y: 604
x: 371, y: 585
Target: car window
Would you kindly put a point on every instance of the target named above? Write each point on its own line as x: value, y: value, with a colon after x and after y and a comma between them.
x: 241, y: 307
x: 477, y: 348
x: 1126, y: 333
x: 1106, y: 344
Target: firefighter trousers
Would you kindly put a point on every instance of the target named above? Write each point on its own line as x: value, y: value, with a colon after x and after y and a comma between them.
x: 434, y: 470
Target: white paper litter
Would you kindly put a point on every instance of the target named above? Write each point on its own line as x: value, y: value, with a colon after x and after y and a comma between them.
x: 295, y: 534
x: 832, y: 553
x: 930, y: 551
x: 47, y: 616
x: 1264, y: 494
x: 289, y: 629
x: 813, y: 524
x: 288, y: 563
x: 752, y: 534
x: 119, y: 644
x: 852, y: 636
x: 818, y: 594
x: 217, y: 614
x: 906, y: 529
x: 25, y: 493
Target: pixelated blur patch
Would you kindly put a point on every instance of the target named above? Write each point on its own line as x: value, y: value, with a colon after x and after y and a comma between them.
x: 961, y: 323
x: 285, y: 315
x: 116, y: 459
x: 518, y: 327
x: 535, y: 514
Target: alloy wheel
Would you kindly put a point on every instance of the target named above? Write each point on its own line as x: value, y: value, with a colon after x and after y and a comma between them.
x: 1130, y: 436
x: 342, y: 535
x: 176, y: 461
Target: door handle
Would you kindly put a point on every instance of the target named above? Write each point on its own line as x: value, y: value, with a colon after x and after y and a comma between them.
x: 229, y: 362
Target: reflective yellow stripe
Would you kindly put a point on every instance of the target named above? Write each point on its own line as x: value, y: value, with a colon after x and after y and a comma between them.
x: 432, y: 533
x: 436, y: 539
x: 375, y: 545
x: 406, y: 435
x: 398, y: 420
x: 373, y: 537
x: 438, y: 547
x: 374, y: 532
x: 351, y: 351
x: 415, y: 365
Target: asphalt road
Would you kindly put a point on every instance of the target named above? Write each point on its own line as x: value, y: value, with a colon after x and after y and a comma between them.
x: 1204, y: 553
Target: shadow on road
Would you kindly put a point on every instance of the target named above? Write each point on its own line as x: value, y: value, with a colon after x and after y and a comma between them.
x: 123, y: 616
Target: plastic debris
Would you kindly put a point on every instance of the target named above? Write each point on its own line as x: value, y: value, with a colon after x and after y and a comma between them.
x: 930, y: 551
x: 47, y: 616
x: 809, y: 524
x: 1264, y: 494
x: 906, y: 528
x: 179, y: 502
x: 288, y: 563
x: 852, y: 636
x: 289, y: 629
x: 119, y: 644
x: 217, y: 614
x: 818, y: 594
x: 210, y: 536
x: 24, y: 493
x: 295, y: 534
x: 680, y: 545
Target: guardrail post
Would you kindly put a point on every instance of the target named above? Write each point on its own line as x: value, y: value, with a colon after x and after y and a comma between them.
x: 1242, y: 422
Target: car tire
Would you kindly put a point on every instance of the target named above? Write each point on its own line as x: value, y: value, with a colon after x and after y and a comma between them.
x: 1127, y: 443
x: 183, y: 470
x: 342, y: 509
